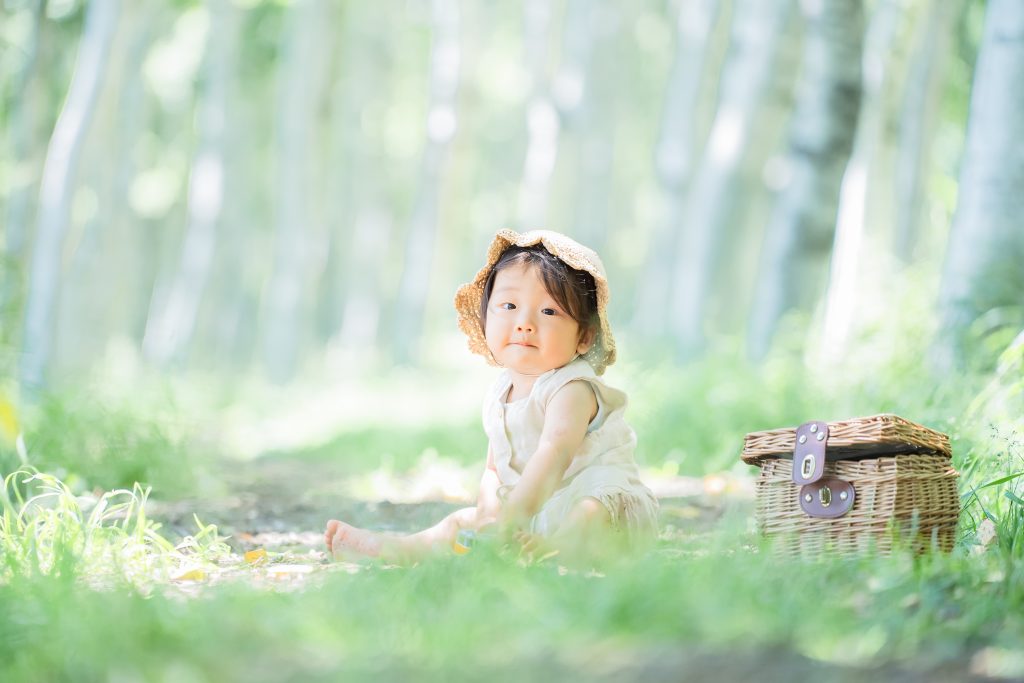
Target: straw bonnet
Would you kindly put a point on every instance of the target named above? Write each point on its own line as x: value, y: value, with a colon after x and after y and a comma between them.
x: 574, y: 254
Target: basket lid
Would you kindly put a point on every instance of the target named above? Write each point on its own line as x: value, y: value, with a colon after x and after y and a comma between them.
x: 859, y: 437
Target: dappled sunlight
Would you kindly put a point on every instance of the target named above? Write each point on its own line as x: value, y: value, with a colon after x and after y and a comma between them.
x: 318, y: 413
x: 431, y: 478
x: 999, y: 663
x: 664, y: 483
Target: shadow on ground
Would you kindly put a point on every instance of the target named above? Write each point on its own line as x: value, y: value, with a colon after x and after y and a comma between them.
x: 282, y: 503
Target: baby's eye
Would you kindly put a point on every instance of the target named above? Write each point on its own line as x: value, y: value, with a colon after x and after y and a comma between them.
x: 549, y: 311
x: 508, y: 306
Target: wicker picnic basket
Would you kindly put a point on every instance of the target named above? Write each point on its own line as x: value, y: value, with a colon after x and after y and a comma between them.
x: 854, y: 486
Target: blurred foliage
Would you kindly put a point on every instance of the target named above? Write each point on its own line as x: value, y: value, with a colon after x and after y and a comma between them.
x: 90, y: 443
x: 366, y: 127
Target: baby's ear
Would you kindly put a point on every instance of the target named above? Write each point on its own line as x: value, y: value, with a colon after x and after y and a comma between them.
x: 586, y: 340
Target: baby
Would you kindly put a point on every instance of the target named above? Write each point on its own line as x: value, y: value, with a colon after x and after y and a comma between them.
x: 560, y: 473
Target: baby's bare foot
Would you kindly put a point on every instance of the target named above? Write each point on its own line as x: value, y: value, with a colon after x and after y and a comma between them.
x: 345, y: 540
x: 332, y: 526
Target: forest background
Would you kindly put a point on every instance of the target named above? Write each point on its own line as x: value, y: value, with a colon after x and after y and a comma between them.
x: 232, y: 231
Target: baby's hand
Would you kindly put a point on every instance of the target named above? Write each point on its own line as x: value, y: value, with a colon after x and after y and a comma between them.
x: 527, y: 541
x: 532, y: 547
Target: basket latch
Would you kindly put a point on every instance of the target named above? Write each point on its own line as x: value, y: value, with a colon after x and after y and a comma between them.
x: 827, y: 497
x: 809, y: 452
x: 820, y: 496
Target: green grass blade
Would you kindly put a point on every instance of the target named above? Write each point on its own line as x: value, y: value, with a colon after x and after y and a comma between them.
x: 1000, y: 480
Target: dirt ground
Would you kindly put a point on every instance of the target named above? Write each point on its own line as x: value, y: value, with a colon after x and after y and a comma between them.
x: 282, y: 504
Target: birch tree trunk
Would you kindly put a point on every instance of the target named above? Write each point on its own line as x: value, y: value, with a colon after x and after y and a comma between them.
x: 282, y: 315
x: 445, y: 59
x: 371, y: 230
x: 711, y: 205
x: 353, y: 295
x: 585, y: 115
x: 125, y: 241
x: 20, y: 142
x: 799, y: 236
x: 340, y: 171
x: 842, y: 295
x: 925, y: 80
x: 674, y: 154
x: 101, y: 292
x: 173, y: 317
x: 57, y: 187
x: 226, y: 329
x: 984, y: 267
x: 20, y: 145
x: 542, y: 122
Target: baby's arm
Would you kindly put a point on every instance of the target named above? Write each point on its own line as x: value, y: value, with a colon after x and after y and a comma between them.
x: 565, y: 426
x: 488, y: 507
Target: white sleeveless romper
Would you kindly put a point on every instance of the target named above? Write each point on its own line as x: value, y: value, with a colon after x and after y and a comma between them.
x: 603, y: 468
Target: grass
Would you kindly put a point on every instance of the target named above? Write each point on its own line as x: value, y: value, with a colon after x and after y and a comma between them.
x: 88, y: 589
x: 91, y: 442
x: 463, y: 617
x: 48, y: 532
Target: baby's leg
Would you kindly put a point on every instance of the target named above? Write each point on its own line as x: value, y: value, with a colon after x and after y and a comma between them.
x: 586, y: 536
x: 345, y: 540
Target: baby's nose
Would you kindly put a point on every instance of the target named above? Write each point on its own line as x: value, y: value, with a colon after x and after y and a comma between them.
x: 524, y: 324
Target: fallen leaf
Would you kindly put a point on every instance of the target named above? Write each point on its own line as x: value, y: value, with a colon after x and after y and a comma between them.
x: 192, y: 575
x: 9, y: 428
x: 257, y: 556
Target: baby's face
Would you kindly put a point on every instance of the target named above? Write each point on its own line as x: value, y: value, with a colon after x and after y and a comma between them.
x: 527, y: 331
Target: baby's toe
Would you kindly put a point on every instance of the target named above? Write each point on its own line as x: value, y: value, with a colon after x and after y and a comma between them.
x: 332, y: 527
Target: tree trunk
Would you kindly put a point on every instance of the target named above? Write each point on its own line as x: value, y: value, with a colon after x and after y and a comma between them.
x: 542, y: 122
x: 711, y: 212
x: 21, y: 142
x: 341, y: 134
x: 917, y: 120
x: 282, y: 322
x: 799, y: 236
x: 371, y: 230
x: 585, y: 93
x: 173, y: 319
x: 124, y: 241
x: 57, y: 187
x: 353, y: 289
x: 984, y: 266
x: 674, y: 154
x: 842, y: 293
x: 100, y: 292
x: 445, y: 61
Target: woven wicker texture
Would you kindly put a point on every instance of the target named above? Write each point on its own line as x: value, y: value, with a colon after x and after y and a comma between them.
x: 858, y: 437
x: 913, y: 498
x: 468, y: 296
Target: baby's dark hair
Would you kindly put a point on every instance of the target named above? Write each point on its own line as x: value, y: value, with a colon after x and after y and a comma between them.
x: 574, y: 290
